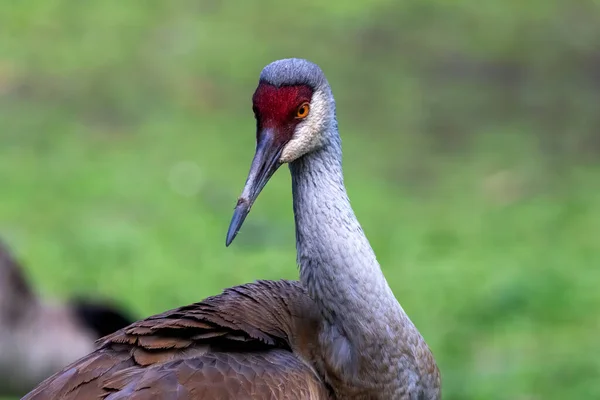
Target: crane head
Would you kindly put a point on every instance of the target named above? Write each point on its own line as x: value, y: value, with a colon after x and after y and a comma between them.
x: 293, y: 107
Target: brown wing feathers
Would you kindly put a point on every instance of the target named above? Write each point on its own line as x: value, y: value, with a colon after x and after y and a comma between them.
x: 236, y: 345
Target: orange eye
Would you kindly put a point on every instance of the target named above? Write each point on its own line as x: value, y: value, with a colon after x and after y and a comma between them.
x: 303, y: 110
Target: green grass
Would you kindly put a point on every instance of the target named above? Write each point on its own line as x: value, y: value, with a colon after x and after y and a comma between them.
x: 471, y: 158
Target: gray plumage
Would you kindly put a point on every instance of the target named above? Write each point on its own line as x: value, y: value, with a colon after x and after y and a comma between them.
x: 370, y: 341
x: 293, y: 71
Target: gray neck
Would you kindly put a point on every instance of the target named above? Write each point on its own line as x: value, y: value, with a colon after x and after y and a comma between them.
x: 339, y: 268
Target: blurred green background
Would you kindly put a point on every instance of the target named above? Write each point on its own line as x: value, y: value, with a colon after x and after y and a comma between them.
x: 471, y: 133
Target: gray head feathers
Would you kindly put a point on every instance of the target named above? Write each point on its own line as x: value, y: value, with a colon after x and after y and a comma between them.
x: 293, y: 71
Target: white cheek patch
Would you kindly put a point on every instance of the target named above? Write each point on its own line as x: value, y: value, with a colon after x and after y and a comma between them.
x: 308, y: 133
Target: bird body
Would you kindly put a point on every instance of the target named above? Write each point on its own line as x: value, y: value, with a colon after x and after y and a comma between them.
x: 338, y: 333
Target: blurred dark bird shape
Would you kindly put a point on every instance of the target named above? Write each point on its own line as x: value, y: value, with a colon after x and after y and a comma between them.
x: 38, y: 337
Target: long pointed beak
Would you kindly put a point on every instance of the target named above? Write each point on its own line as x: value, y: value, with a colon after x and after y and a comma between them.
x: 264, y: 165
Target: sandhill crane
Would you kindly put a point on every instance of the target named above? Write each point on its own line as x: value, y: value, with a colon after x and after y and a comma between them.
x: 37, y: 337
x: 338, y: 333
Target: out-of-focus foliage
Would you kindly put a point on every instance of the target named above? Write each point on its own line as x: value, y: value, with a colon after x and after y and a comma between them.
x: 472, y: 140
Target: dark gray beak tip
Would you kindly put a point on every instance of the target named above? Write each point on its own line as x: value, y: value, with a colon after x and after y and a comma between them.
x: 239, y: 215
x: 231, y: 234
x: 230, y: 237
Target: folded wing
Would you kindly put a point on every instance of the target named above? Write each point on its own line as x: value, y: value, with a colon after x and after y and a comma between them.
x: 241, y: 344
